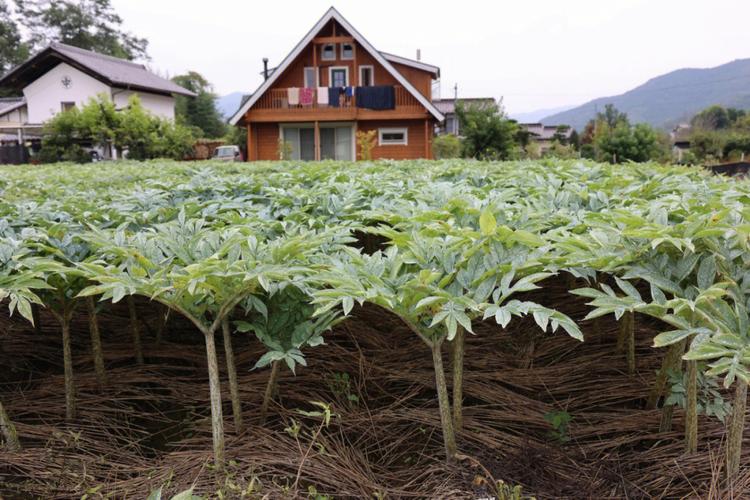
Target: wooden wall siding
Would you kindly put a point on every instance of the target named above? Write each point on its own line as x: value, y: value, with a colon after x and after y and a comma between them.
x: 294, y: 77
x: 412, y: 151
x: 267, y: 137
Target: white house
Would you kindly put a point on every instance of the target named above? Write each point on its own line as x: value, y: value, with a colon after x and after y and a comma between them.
x: 62, y: 76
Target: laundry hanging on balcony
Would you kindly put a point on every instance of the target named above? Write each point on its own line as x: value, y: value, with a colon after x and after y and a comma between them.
x: 379, y: 97
x: 293, y: 96
x: 323, y: 96
x: 306, y: 96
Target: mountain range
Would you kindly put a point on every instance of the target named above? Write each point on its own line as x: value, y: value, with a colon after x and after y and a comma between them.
x: 228, y: 104
x: 671, y: 98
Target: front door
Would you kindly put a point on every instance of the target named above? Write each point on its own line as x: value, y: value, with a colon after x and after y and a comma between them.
x: 336, y: 143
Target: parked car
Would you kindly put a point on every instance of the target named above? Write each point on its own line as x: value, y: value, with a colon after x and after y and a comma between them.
x: 227, y: 153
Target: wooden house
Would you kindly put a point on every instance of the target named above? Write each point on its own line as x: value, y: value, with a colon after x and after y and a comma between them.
x: 333, y: 84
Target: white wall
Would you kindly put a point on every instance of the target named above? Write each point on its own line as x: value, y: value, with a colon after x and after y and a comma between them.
x: 159, y: 105
x: 45, y: 95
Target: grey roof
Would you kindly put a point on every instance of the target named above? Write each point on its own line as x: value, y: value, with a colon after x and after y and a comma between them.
x: 446, y: 106
x: 8, y: 104
x: 112, y: 70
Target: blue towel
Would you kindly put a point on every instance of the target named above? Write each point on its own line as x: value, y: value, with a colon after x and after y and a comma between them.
x: 349, y: 91
x: 378, y: 97
x: 333, y: 96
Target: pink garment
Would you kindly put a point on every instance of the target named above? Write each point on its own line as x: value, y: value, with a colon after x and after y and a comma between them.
x: 306, y: 96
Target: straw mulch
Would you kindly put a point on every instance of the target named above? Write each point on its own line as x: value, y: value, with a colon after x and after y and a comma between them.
x: 150, y: 426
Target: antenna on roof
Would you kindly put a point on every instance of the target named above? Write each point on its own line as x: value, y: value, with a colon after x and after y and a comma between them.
x: 265, y: 68
x: 419, y: 54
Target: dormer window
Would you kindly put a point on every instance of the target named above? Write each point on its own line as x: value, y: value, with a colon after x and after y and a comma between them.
x: 347, y: 51
x: 328, y: 52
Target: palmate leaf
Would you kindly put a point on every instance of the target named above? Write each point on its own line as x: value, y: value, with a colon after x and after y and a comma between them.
x: 673, y: 336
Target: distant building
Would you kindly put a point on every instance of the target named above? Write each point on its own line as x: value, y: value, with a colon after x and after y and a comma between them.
x: 61, y: 77
x: 544, y: 135
x: 448, y: 108
x: 680, y: 138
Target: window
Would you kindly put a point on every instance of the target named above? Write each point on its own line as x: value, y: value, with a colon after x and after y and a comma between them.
x: 328, y: 52
x: 347, y: 51
x: 65, y: 106
x: 393, y: 136
x: 338, y: 76
x: 336, y: 142
x: 311, y: 77
x: 366, y: 76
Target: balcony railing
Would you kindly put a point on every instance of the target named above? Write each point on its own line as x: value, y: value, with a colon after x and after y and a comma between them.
x: 278, y: 99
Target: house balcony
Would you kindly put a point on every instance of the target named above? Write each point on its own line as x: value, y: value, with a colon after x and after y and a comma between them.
x: 274, y: 106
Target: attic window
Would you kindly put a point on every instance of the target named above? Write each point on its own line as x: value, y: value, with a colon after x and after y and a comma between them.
x: 347, y: 51
x: 328, y: 52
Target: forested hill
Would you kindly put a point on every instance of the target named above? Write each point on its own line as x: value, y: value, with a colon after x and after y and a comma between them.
x: 670, y: 98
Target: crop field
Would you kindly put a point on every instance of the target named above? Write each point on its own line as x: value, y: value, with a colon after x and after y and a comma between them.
x: 414, y: 329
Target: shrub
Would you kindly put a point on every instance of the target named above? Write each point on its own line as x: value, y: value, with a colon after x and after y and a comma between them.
x: 446, y: 146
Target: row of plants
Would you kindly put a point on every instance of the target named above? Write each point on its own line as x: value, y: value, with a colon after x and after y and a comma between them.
x: 288, y: 250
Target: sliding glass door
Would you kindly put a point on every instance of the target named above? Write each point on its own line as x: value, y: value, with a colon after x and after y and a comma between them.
x: 336, y: 142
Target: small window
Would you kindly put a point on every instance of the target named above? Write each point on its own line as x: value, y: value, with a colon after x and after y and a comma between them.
x: 366, y: 76
x: 65, y: 106
x: 393, y: 136
x: 311, y: 77
x: 328, y: 52
x: 347, y: 51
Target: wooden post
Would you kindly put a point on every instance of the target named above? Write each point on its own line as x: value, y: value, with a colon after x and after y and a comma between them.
x: 249, y: 142
x: 427, y: 148
x: 317, y: 141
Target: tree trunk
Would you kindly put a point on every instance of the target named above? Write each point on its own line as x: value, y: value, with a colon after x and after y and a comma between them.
x: 70, y: 388
x: 736, y: 429
x: 8, y: 431
x: 671, y: 360
x: 217, y: 419
x: 691, y: 408
x: 459, y: 345
x: 96, y: 343
x: 37, y: 319
x: 232, y: 374
x: 449, y: 438
x: 136, y: 329
x: 270, y: 390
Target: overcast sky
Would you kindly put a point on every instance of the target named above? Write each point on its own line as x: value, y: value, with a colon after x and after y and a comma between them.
x: 535, y: 54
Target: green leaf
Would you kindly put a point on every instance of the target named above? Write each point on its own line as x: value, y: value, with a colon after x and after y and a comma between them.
x: 487, y: 222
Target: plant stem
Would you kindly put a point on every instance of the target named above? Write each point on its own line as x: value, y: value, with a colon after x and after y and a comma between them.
x: 136, y: 329
x: 96, y: 343
x: 232, y: 374
x: 8, y: 431
x: 668, y: 410
x: 630, y: 344
x: 736, y: 428
x: 691, y: 408
x: 459, y: 346
x: 270, y: 389
x: 217, y: 419
x: 70, y: 388
x: 163, y: 315
x: 37, y: 319
x: 449, y: 438
x: 670, y: 361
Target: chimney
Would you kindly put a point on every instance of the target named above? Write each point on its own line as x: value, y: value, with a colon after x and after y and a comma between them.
x: 419, y: 54
x: 265, y: 68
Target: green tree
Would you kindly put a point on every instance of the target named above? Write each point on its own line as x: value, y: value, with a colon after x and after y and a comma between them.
x: 88, y: 24
x: 199, y: 111
x: 13, y: 50
x: 711, y: 118
x: 487, y: 132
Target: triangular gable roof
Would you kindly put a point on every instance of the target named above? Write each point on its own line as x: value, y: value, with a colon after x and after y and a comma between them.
x: 113, y: 71
x: 335, y: 15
